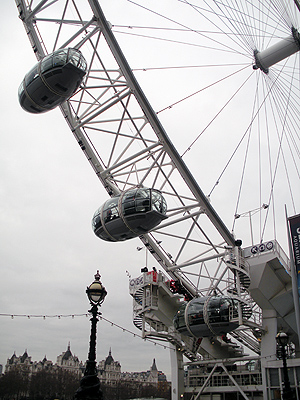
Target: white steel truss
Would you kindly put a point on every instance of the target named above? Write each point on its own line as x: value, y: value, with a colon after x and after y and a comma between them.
x: 127, y: 146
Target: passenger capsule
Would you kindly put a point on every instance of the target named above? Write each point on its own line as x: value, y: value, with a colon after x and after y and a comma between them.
x: 133, y: 213
x: 209, y: 316
x: 52, y: 80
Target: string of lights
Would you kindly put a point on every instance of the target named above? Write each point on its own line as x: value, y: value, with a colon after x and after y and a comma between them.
x: 59, y: 316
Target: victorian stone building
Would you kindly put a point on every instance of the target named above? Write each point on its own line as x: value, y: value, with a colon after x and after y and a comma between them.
x: 109, y: 370
x: 70, y: 362
x: 26, y: 366
x: 152, y: 376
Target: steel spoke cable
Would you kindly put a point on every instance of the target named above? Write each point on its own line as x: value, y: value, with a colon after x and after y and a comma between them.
x: 259, y: 159
x: 190, y: 66
x: 285, y: 11
x: 246, y: 27
x: 231, y: 34
x: 282, y: 94
x: 292, y: 156
x: 266, y: 115
x: 223, y: 16
x: 291, y: 130
x: 267, y: 15
x: 278, y: 104
x: 241, y: 140
x: 273, y: 28
x: 285, y: 81
x: 218, y: 113
x: 228, y: 48
x: 280, y: 152
x: 284, y: 123
x: 245, y: 158
x: 200, y: 90
x: 272, y: 12
x: 187, y: 30
x: 249, y: 27
x: 236, y: 39
x: 278, y: 95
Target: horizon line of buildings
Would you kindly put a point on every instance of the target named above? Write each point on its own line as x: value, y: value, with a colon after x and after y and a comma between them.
x: 109, y: 370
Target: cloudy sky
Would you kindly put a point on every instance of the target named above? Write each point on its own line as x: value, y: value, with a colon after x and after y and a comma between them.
x: 48, y: 252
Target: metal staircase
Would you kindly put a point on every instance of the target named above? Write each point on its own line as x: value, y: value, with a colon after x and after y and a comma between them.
x: 246, y: 339
x: 154, y: 306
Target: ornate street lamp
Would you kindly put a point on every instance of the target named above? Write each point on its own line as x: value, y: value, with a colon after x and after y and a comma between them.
x: 282, y: 340
x: 90, y: 385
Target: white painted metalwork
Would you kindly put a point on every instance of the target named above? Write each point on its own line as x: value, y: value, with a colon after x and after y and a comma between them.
x: 127, y: 145
x: 278, y: 52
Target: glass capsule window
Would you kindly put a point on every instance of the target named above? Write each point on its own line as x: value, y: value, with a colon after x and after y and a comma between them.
x: 179, y: 321
x: 213, y: 310
x: 31, y: 75
x: 47, y: 64
x: 60, y: 58
x: 76, y: 58
x: 128, y: 202
x: 21, y: 89
x: 195, y: 312
x: 143, y: 200
x: 158, y: 202
x: 110, y: 210
x: 96, y: 222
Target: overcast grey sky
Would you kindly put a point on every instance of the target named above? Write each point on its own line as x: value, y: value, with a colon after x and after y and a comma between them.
x: 48, y: 252
x: 48, y: 194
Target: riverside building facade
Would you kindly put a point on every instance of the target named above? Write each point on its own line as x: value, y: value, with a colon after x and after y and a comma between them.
x: 109, y: 370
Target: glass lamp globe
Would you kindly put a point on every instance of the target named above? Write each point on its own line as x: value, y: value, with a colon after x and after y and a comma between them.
x: 282, y: 338
x: 96, y: 291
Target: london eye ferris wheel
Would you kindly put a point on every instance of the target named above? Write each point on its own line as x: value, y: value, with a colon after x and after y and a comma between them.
x: 197, y: 145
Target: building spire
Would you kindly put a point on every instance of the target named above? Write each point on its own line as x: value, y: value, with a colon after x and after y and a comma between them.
x: 154, y: 367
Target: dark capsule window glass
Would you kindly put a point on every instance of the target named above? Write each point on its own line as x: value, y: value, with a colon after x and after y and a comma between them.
x: 214, y: 303
x: 128, y: 202
x: 82, y: 65
x: 76, y: 58
x: 60, y: 58
x: 158, y: 202
x: 214, y: 309
x: 110, y: 210
x: 21, y: 89
x: 179, y: 321
x: 142, y: 200
x: 96, y: 222
x: 31, y: 75
x: 224, y: 309
x: 195, y: 313
x: 47, y: 64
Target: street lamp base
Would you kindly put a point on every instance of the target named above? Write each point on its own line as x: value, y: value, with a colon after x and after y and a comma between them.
x: 89, y: 384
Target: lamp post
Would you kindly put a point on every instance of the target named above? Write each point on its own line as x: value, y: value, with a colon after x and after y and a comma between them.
x: 282, y: 340
x: 90, y: 385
